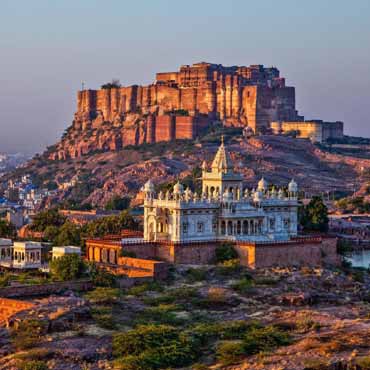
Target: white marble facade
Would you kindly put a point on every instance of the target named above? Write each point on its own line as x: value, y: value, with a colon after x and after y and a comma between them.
x: 224, y: 210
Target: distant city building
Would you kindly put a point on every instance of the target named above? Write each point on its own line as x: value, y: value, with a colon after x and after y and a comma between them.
x: 15, y: 217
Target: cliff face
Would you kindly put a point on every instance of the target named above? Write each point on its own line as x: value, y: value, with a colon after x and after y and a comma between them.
x: 179, y: 105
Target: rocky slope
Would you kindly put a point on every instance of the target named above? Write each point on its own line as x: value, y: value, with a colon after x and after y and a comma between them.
x: 104, y: 174
x: 324, y: 312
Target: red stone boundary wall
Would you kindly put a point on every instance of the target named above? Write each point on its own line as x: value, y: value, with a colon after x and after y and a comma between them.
x: 309, y: 251
x: 45, y: 289
x: 300, y: 252
x: 155, y: 269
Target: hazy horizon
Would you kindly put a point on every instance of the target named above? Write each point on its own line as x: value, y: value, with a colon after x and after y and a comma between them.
x: 47, y: 50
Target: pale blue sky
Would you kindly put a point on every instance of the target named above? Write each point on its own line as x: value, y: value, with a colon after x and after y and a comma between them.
x: 47, y: 47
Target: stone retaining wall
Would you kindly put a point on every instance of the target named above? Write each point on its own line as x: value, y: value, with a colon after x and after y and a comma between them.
x: 45, y: 289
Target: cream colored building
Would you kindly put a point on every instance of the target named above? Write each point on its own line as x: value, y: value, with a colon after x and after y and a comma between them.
x: 224, y: 210
x: 6, y: 251
x: 317, y: 131
x: 58, y: 252
x: 27, y: 255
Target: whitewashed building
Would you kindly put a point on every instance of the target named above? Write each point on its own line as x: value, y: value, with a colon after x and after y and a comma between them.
x: 6, y: 252
x: 58, y: 252
x: 27, y: 255
x: 224, y: 210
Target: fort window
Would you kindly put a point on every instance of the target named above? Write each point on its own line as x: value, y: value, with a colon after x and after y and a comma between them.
x: 185, y: 227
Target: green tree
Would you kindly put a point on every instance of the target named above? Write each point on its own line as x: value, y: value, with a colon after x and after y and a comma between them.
x: 67, y: 267
x: 7, y: 230
x: 114, y: 84
x: 116, y: 203
x: 51, y: 217
x: 69, y: 234
x: 225, y: 252
x: 110, y: 225
x: 314, y: 216
x: 51, y: 232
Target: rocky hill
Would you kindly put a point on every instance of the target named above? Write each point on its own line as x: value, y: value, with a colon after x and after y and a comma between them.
x: 100, y: 175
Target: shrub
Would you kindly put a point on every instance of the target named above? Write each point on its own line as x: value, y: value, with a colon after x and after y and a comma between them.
x: 306, y: 323
x: 28, y: 334
x: 7, y: 230
x: 103, y: 316
x: 153, y: 347
x: 140, y: 289
x: 358, y: 276
x: 264, y: 280
x: 34, y: 365
x: 364, y: 363
x: 216, y: 298
x: 196, y: 274
x: 225, y: 252
x: 163, y: 314
x: 199, y: 367
x: 316, y: 364
x: 264, y: 339
x: 243, y: 285
x: 229, y: 267
x: 103, y: 295
x: 114, y: 84
x: 67, y: 267
x: 227, y: 330
x: 230, y: 352
x: 4, y: 280
x: 101, y: 277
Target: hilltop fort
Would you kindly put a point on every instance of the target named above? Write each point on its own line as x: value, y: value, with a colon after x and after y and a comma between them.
x: 182, y: 105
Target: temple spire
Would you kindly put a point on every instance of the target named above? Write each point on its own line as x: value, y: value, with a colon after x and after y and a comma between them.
x: 222, y: 161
